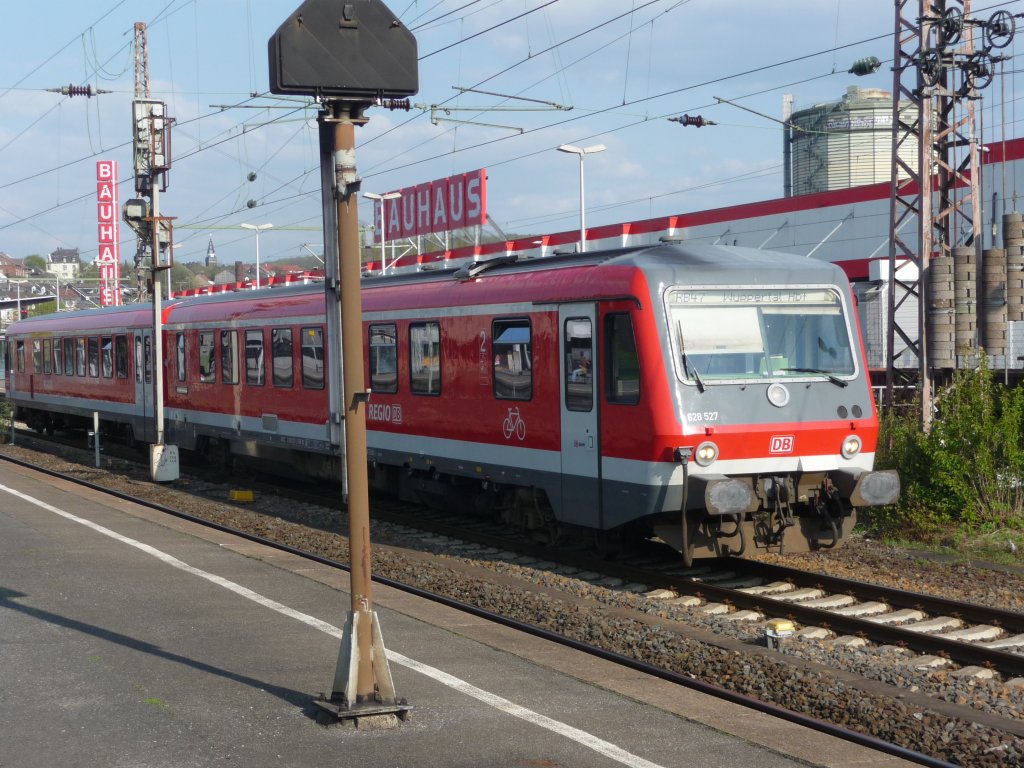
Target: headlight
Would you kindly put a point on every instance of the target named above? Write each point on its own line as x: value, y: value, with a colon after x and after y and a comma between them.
x: 706, y: 453
x: 851, y: 447
x: 778, y: 395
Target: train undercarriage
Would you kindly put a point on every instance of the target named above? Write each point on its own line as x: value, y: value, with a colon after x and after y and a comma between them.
x: 783, y: 519
x: 782, y: 515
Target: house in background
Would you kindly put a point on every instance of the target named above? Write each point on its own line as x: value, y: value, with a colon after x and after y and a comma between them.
x: 10, y: 268
x: 64, y: 262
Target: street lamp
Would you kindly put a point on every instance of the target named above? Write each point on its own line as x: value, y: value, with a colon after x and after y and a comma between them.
x: 383, y: 224
x: 257, y: 228
x: 581, y: 151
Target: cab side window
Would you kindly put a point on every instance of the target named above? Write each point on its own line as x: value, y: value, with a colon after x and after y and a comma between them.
x: 622, y: 377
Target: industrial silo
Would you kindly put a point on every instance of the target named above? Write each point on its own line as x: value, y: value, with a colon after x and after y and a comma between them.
x: 845, y: 143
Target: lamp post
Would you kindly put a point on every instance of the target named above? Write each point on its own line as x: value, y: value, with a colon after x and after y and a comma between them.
x: 581, y: 151
x: 383, y: 224
x: 257, y: 228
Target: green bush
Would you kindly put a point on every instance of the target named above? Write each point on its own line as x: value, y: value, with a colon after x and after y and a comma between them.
x: 966, y: 476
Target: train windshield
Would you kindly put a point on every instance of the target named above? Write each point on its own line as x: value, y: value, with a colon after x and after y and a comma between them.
x: 757, y: 333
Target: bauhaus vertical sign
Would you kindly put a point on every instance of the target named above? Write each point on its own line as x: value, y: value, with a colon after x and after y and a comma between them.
x: 109, y: 259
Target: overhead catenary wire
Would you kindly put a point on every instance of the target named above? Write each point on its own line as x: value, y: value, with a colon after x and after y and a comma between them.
x: 391, y: 166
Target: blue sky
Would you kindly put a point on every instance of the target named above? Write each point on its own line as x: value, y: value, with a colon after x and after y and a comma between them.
x: 623, y: 66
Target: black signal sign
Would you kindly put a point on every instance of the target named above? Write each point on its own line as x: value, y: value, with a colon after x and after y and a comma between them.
x: 344, y: 50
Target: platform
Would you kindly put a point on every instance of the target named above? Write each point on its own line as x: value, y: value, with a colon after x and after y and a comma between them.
x: 129, y: 638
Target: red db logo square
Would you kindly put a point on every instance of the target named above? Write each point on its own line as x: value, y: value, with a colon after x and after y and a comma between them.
x: 781, y: 444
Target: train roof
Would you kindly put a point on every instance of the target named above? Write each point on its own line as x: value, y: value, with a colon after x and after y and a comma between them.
x: 84, y: 320
x: 700, y: 261
x: 624, y: 272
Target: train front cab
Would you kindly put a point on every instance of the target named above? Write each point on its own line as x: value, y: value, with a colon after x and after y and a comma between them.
x: 779, y: 425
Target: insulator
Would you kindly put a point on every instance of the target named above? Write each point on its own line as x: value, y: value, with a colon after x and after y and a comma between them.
x: 695, y: 120
x: 865, y: 66
x: 402, y: 104
x: 78, y: 90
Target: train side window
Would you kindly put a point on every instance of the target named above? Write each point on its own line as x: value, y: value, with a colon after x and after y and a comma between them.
x: 121, y: 356
x: 80, y: 356
x: 21, y: 356
x: 47, y: 355
x: 282, y: 350
x: 579, y: 357
x: 107, y: 356
x: 622, y: 371
x: 229, y: 357
x: 313, y: 358
x: 147, y: 346
x: 179, y: 347
x: 94, y: 356
x: 384, y: 358
x: 58, y: 357
x: 37, y: 356
x: 425, y: 358
x: 69, y: 357
x: 207, y: 361
x: 513, y: 359
x: 255, y: 368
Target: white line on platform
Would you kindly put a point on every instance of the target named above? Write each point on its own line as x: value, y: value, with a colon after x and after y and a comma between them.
x: 504, y: 705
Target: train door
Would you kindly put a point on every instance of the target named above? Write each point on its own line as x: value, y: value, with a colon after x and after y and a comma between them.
x: 142, y: 354
x: 581, y: 480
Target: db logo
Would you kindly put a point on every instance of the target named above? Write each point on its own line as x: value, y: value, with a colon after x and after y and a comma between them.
x: 781, y: 444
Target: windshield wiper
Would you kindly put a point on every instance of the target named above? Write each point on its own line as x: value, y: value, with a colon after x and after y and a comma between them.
x: 693, y: 372
x: 828, y: 374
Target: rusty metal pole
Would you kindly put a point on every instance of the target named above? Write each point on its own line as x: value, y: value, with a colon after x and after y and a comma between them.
x: 363, y: 686
x: 355, y: 395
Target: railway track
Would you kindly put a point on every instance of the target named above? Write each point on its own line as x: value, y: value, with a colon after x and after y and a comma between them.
x: 942, y: 631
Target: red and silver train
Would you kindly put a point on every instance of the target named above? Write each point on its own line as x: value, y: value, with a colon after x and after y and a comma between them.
x: 716, y: 397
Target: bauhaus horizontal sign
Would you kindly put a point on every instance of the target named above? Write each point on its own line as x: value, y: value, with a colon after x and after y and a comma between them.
x: 435, y: 206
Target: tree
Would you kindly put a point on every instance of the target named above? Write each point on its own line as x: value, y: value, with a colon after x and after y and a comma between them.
x: 37, y: 262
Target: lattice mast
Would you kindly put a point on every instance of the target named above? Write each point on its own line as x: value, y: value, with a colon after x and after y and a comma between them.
x: 937, y: 73
x: 141, y: 61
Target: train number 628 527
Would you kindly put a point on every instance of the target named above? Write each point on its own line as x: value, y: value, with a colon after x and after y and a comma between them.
x: 702, y: 416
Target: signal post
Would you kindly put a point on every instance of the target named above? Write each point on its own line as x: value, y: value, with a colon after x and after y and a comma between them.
x: 363, y: 46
